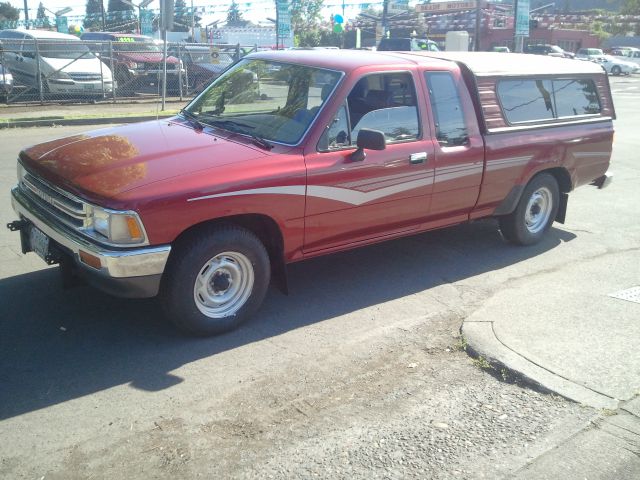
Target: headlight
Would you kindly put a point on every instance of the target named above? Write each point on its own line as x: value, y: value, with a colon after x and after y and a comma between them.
x: 117, y: 227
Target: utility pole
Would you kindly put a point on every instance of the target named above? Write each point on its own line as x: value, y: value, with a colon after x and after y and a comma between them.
x: 104, y: 23
x: 26, y: 15
x: 478, y: 26
x: 385, y: 11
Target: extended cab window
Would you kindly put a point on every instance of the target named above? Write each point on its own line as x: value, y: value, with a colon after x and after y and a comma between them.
x: 384, y: 102
x: 451, y: 128
x: 535, y: 100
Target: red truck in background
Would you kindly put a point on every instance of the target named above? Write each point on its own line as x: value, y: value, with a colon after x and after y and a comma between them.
x: 292, y: 155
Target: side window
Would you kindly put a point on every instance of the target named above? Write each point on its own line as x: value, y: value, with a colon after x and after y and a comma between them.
x: 337, y: 133
x: 385, y: 102
x: 575, y: 97
x: 526, y: 100
x: 531, y: 100
x: 451, y: 128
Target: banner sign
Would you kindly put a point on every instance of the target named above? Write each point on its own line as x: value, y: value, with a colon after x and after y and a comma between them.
x: 445, y: 7
x: 283, y: 13
x: 522, y: 18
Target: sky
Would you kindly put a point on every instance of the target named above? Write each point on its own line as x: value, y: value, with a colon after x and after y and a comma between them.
x: 259, y: 10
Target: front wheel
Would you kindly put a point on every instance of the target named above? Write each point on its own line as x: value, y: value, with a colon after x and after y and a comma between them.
x: 616, y: 70
x: 535, y: 212
x: 216, y: 279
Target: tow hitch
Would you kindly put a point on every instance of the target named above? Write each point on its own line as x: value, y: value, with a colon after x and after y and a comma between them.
x: 17, y: 225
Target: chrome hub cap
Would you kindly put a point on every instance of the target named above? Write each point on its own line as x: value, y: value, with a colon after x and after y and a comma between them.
x: 538, y: 210
x: 223, y: 285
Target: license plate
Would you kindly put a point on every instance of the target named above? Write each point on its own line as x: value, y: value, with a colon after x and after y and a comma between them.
x: 88, y: 86
x: 39, y: 242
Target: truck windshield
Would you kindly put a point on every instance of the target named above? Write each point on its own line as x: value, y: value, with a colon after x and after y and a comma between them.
x: 271, y: 100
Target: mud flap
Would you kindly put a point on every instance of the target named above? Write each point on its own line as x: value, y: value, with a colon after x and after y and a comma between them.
x: 562, y: 207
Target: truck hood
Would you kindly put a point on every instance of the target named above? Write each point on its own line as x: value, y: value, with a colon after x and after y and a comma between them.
x: 101, y: 164
x: 147, y: 57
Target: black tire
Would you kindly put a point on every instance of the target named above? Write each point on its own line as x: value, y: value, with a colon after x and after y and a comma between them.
x: 616, y: 70
x: 224, y: 258
x: 535, y: 212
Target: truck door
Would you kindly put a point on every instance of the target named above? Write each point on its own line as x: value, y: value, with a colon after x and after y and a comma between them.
x: 386, y: 193
x: 459, y: 150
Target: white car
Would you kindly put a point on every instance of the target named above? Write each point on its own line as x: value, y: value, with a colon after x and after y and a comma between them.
x: 589, y: 54
x: 617, y: 66
x: 631, y: 55
x: 64, y: 63
x: 6, y: 82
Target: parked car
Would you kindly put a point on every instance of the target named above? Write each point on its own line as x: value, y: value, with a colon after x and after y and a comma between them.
x: 202, y: 63
x: 550, y: 50
x: 65, y: 64
x: 6, y: 82
x: 501, y: 49
x: 620, y: 51
x: 294, y: 154
x: 632, y: 55
x: 589, y: 53
x: 137, y: 60
x: 617, y: 66
x: 407, y: 45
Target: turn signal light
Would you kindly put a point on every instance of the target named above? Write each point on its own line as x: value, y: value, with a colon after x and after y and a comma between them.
x: 90, y: 260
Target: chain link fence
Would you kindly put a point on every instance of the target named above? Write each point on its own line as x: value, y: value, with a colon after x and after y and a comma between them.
x: 55, y: 71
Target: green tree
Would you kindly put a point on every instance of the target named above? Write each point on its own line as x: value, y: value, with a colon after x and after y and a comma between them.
x: 121, y: 17
x: 93, y: 15
x: 8, y: 12
x: 41, y: 17
x: 234, y: 16
x: 305, y: 22
x: 181, y: 17
x: 631, y: 7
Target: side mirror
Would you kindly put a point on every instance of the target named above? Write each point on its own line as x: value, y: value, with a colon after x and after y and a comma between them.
x: 369, y: 139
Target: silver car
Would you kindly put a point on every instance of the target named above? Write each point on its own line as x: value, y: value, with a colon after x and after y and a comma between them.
x: 6, y: 82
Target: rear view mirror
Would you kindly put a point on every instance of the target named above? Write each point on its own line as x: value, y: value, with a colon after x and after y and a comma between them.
x: 369, y: 139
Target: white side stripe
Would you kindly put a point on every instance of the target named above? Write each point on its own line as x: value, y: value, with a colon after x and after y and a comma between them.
x: 355, y: 197
x: 288, y: 190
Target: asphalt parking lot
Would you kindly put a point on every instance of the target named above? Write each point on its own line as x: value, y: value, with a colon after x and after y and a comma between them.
x: 359, y: 373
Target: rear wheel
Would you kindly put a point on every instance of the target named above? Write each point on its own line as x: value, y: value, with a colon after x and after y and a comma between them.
x: 216, y: 279
x: 535, y: 212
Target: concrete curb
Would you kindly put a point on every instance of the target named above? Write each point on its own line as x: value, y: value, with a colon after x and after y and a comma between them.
x: 50, y: 122
x: 482, y: 341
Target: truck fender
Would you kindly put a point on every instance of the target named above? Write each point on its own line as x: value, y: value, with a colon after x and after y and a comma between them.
x: 510, y: 202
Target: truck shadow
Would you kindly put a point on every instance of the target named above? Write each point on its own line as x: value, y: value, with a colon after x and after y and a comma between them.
x: 57, y: 345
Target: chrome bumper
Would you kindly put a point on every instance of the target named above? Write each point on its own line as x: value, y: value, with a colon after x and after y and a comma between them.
x: 116, y: 263
x: 604, y: 181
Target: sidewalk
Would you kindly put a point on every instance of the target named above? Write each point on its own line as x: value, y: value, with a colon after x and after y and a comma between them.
x: 27, y: 115
x: 579, y: 341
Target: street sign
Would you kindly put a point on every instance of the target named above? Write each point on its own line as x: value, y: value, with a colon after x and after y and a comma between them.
x: 146, y: 22
x: 522, y: 18
x: 283, y: 12
x: 62, y: 25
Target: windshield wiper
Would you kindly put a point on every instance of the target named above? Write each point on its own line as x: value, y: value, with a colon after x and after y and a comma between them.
x: 192, y: 118
x: 259, y: 141
x: 232, y: 126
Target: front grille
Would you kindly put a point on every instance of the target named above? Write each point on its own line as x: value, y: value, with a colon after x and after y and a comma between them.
x: 85, y: 77
x: 69, y: 209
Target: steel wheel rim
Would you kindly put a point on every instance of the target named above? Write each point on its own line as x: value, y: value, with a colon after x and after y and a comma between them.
x: 538, y: 210
x: 223, y: 285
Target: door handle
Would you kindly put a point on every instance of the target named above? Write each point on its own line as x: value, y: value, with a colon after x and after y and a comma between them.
x: 415, y: 158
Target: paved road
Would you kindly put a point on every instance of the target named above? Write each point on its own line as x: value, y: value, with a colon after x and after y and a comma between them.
x: 356, y: 374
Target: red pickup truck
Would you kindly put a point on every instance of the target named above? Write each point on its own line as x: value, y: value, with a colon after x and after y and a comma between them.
x: 291, y: 155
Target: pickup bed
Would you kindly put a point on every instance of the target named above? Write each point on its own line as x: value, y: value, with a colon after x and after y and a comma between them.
x: 292, y: 155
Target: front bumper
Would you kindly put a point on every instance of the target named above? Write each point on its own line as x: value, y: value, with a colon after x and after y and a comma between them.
x: 125, y: 272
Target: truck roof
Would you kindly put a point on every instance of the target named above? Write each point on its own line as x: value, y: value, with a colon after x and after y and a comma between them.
x: 480, y: 63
